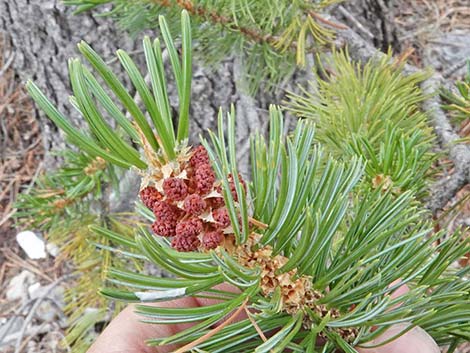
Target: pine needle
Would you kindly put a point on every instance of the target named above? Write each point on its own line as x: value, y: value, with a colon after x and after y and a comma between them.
x: 212, y: 332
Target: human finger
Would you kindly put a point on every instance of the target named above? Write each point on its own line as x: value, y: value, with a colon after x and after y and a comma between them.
x: 413, y: 341
x: 126, y: 333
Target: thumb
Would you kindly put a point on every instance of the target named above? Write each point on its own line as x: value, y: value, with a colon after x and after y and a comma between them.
x: 415, y: 340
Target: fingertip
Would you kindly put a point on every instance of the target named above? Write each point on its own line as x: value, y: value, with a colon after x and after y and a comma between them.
x: 413, y: 341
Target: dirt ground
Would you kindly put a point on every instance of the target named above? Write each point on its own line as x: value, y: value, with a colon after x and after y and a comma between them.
x: 21, y: 150
x: 21, y: 155
x: 421, y: 25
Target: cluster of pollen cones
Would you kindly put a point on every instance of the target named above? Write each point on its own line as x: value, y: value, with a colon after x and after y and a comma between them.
x: 189, y: 207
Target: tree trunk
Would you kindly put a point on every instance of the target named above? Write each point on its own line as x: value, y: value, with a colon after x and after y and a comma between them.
x: 44, y: 34
x: 378, y: 17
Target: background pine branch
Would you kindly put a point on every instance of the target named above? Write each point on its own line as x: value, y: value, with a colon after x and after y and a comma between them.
x: 63, y: 205
x: 270, y: 40
x: 357, y: 113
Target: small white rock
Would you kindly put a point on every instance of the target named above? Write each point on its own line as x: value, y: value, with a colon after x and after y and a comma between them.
x: 52, y: 249
x: 34, y: 289
x: 32, y: 245
x: 46, y: 312
x: 91, y: 311
x: 18, y: 286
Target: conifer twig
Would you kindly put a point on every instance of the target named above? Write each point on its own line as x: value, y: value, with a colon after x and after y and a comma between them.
x: 251, y: 33
x: 323, y: 20
x: 258, y: 224
x: 255, y: 325
x: 444, y: 189
x: 403, y: 57
x: 224, y: 21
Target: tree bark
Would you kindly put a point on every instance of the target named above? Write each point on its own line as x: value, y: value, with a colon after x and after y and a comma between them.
x: 377, y: 17
x: 44, y: 34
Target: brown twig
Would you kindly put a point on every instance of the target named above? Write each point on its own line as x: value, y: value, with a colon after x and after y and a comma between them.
x: 2, y: 272
x: 251, y: 33
x: 257, y: 223
x: 323, y: 20
x: 255, y: 325
x: 404, y: 56
x: 18, y: 261
x: 358, y: 25
x: 224, y: 21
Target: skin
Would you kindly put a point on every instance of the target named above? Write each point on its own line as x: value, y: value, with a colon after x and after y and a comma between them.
x: 126, y: 334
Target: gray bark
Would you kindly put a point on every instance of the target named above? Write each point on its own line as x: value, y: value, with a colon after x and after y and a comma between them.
x: 375, y: 19
x: 44, y: 34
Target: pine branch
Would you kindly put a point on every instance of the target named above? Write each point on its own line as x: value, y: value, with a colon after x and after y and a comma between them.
x: 198, y: 10
x: 62, y: 205
x: 357, y: 114
x: 65, y: 191
x: 272, y: 45
x: 226, y: 22
x: 333, y: 250
x: 445, y: 189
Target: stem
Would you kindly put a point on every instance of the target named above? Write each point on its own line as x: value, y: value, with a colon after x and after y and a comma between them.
x: 327, y: 22
x: 257, y: 223
x: 226, y: 22
x: 255, y: 325
x: 214, y: 17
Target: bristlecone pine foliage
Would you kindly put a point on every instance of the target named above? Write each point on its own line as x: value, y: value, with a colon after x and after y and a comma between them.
x: 270, y: 38
x: 373, y: 112
x: 458, y: 100
x: 63, y: 204
x: 314, y: 255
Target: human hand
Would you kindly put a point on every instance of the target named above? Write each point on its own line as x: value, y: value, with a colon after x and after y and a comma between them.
x: 127, y: 334
x: 414, y: 341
